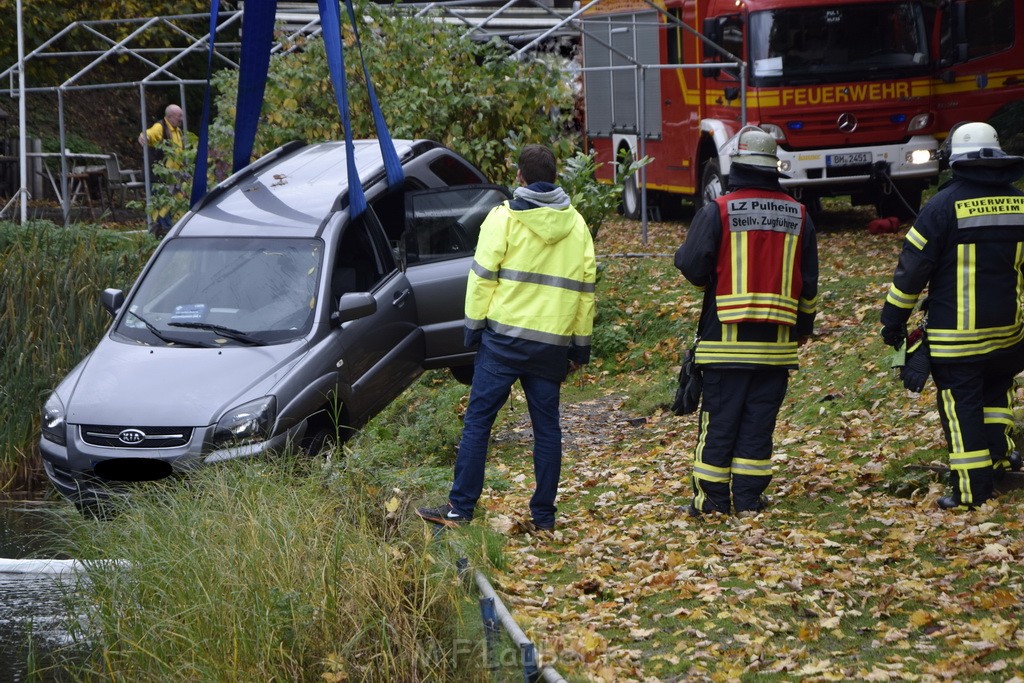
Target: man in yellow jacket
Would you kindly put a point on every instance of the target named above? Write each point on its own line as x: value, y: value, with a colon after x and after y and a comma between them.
x: 168, y: 128
x: 530, y: 307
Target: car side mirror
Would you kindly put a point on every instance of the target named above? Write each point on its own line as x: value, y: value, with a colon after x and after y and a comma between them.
x: 112, y: 300
x: 354, y: 305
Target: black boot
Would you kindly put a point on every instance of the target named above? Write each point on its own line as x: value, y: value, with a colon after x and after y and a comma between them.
x: 1015, y: 460
x: 951, y: 503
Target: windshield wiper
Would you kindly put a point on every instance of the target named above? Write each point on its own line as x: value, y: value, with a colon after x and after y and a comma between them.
x: 156, y: 332
x: 228, y: 332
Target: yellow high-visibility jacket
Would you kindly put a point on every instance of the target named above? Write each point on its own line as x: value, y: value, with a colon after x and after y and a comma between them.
x: 531, y: 287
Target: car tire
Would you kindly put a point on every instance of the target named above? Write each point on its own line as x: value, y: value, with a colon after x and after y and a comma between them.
x: 463, y: 374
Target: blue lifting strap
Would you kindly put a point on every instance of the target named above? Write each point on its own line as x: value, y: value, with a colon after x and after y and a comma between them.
x: 257, y: 35
x: 392, y: 166
x: 330, y: 21
x: 199, y: 176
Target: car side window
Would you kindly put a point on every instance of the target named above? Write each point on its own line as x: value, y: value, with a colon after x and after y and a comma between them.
x: 362, y: 259
x: 444, y: 223
x: 390, y: 208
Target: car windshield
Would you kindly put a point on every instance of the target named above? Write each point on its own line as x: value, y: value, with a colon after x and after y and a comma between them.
x: 226, y: 291
x: 859, y: 42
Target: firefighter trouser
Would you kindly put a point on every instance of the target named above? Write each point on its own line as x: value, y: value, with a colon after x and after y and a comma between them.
x: 975, y: 407
x: 737, y: 418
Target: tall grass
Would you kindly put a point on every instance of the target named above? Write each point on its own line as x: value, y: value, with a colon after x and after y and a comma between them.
x: 50, y: 279
x: 283, y: 570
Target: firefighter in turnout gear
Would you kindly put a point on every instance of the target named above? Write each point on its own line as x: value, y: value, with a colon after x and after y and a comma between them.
x: 754, y: 254
x: 967, y: 248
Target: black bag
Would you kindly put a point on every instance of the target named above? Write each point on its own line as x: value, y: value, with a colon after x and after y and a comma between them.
x: 691, y: 384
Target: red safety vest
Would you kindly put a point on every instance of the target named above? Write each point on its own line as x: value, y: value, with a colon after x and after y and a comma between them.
x: 759, y: 259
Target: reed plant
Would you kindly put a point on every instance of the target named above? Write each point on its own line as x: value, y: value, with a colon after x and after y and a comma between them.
x: 50, y: 317
x: 289, y: 569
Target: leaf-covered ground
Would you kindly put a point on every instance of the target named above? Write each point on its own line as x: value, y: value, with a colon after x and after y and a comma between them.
x: 853, y: 573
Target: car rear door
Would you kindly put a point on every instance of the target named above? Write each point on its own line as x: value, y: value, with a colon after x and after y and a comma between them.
x: 442, y: 227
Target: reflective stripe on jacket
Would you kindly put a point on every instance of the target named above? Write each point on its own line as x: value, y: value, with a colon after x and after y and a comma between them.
x: 759, y: 260
x: 700, y: 259
x: 533, y: 278
x: 967, y: 248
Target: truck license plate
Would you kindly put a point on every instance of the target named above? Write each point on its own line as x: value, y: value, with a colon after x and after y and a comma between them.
x: 848, y: 159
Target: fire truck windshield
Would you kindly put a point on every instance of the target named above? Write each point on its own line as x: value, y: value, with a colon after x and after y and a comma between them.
x: 861, y: 42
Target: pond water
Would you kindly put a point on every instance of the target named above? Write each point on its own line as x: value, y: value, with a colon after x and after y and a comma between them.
x: 32, y: 612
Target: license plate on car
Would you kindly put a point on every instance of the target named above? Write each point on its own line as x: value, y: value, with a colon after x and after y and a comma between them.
x: 848, y: 159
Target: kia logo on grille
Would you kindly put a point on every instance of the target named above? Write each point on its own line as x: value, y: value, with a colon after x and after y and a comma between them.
x: 131, y: 436
x: 847, y: 122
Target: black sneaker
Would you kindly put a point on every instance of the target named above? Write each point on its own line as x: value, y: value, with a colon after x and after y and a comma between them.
x: 444, y: 515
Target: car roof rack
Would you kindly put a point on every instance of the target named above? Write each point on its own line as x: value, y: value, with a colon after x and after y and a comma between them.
x: 232, y: 180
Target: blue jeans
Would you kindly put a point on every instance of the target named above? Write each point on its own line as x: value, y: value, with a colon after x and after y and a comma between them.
x: 492, y: 382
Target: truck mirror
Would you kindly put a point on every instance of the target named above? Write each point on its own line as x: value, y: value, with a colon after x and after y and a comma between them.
x: 713, y: 29
x: 112, y: 300
x: 732, y: 93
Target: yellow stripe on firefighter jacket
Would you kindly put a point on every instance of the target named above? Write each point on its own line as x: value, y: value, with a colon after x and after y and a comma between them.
x: 968, y: 249
x: 533, y: 276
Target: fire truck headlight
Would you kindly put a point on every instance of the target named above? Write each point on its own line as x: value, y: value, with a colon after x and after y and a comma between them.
x: 919, y: 122
x: 919, y: 156
x: 784, y: 166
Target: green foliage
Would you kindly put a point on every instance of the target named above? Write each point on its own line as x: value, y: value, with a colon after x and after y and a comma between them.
x: 596, y: 201
x: 50, y: 279
x: 431, y: 83
x: 283, y: 570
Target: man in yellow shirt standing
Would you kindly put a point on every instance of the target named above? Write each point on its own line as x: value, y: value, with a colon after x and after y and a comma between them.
x: 168, y: 128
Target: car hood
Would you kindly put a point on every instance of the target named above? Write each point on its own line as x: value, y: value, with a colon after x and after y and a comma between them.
x: 122, y: 383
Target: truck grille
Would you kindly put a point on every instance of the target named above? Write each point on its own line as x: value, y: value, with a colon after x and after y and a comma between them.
x: 869, y: 125
x: 135, y: 437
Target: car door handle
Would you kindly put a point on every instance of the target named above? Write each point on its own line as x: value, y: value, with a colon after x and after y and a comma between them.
x: 400, y: 298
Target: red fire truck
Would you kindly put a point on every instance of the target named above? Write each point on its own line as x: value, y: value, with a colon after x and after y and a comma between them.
x: 845, y: 87
x: 979, y: 74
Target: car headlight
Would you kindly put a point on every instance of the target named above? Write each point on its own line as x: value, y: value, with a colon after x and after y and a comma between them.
x: 53, y: 426
x: 247, y: 423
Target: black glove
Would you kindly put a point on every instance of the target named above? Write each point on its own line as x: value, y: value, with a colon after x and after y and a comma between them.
x: 917, y: 368
x: 894, y: 334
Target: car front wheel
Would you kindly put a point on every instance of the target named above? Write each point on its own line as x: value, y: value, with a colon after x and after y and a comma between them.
x: 463, y: 374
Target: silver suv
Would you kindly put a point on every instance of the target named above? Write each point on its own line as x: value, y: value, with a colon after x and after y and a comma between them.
x: 268, y: 317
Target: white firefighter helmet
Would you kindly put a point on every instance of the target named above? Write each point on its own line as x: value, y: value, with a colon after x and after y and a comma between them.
x: 973, y: 136
x: 755, y: 147
x: 973, y: 143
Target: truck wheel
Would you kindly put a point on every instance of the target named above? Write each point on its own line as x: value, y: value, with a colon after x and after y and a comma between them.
x: 631, y: 198
x: 712, y: 183
x: 891, y: 205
